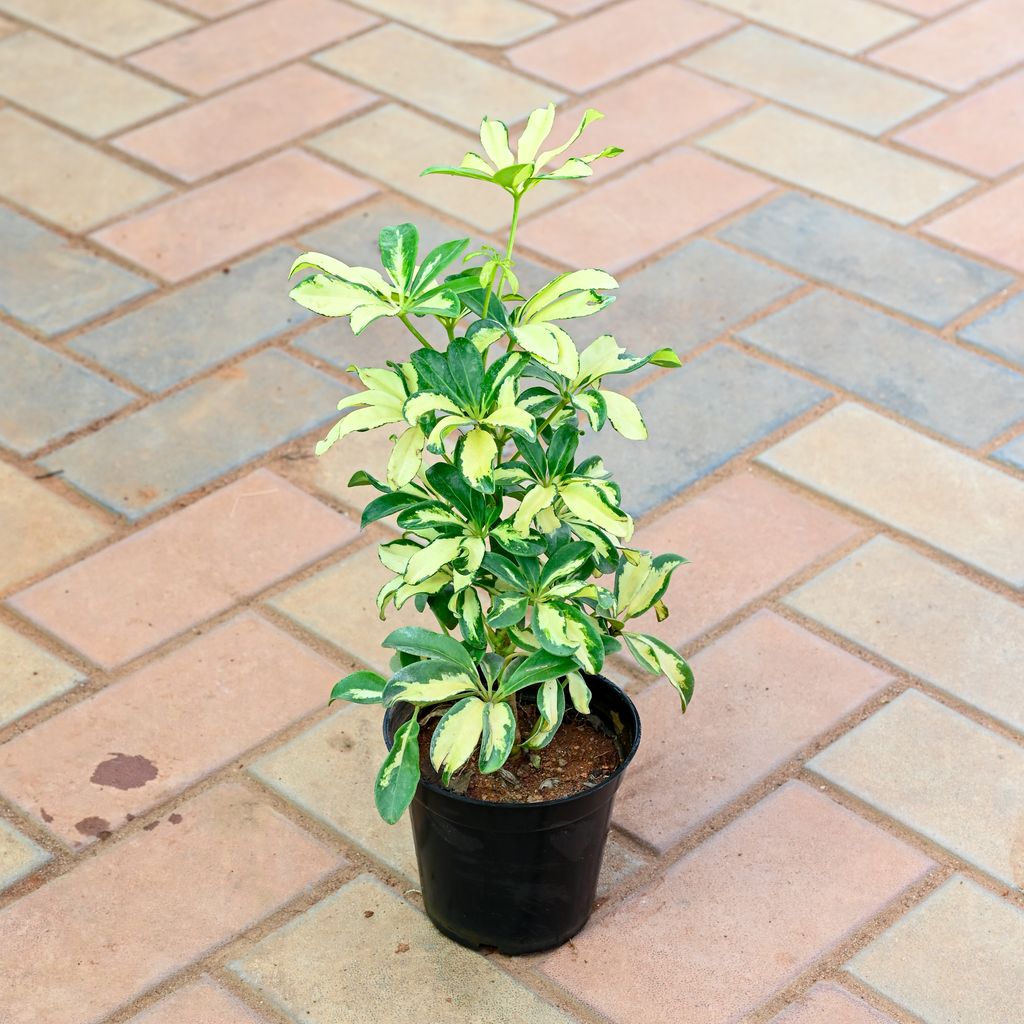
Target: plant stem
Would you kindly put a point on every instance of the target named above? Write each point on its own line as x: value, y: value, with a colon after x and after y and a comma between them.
x: 516, y: 199
x: 423, y: 341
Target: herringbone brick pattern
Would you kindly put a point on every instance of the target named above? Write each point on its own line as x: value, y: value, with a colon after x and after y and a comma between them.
x: 820, y: 208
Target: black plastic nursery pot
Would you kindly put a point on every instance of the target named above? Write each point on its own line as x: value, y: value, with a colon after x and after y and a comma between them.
x: 518, y: 877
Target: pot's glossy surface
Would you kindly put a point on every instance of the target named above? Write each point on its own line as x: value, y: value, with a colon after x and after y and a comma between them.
x: 518, y: 877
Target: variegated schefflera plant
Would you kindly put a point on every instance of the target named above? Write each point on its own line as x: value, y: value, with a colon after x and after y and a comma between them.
x: 509, y: 538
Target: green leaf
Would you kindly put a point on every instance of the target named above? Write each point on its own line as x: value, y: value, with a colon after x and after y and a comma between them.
x: 579, y: 692
x: 537, y: 498
x: 550, y: 701
x: 537, y: 129
x: 499, y: 736
x: 435, y: 261
x: 330, y: 296
x: 474, y: 455
x: 471, y: 618
x: 494, y: 139
x: 576, y: 286
x: 593, y: 405
x: 431, y: 515
x: 641, y: 581
x: 360, y: 688
x: 398, y: 246
x: 399, y: 775
x: 406, y: 457
x: 388, y: 505
x: 657, y: 656
x: 562, y: 449
x: 429, y: 560
x: 456, y: 736
x: 515, y: 542
x: 466, y: 369
x: 429, y: 682
x: 566, y: 560
x: 591, y: 505
x: 427, y: 644
x: 588, y: 118
x: 506, y: 570
x: 452, y: 486
x: 509, y: 367
x: 507, y: 609
x: 625, y: 416
x: 537, y: 668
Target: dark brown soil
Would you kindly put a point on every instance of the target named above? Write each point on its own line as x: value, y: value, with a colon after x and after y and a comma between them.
x: 578, y: 758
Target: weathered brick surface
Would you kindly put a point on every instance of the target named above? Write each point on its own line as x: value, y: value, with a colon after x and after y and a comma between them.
x: 734, y: 921
x: 109, y: 758
x: 144, y: 589
x: 163, y: 161
x: 145, y: 908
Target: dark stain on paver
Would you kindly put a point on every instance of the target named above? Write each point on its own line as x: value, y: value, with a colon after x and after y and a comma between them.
x: 149, y: 828
x: 46, y: 817
x: 175, y: 819
x: 93, y: 827
x: 124, y: 771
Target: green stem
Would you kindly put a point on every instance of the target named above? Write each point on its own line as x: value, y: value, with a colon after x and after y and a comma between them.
x: 423, y: 341
x: 516, y: 199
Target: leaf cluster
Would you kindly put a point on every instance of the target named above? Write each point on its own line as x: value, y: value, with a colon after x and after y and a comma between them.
x: 516, y: 543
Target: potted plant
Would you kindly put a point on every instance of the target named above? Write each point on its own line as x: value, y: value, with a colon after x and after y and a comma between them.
x: 502, y: 734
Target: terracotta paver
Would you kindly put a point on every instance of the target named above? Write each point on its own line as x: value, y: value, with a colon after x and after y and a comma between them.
x: 436, y: 77
x: 420, y: 968
x: 661, y: 212
x: 839, y: 456
x: 848, y: 26
x: 768, y: 688
x: 838, y: 164
x: 845, y: 91
x: 30, y: 676
x: 250, y: 41
x: 339, y: 604
x: 826, y: 1003
x: 743, y: 538
x: 203, y: 1001
x: 958, y: 51
x: 917, y: 962
x: 194, y: 231
x: 111, y: 27
x: 575, y: 56
x: 74, y: 88
x: 989, y: 226
x: 496, y: 23
x: 40, y: 528
x: 107, y: 759
x: 243, y: 122
x: 983, y: 133
x: 152, y: 904
x: 143, y: 590
x: 818, y: 208
x: 922, y: 617
x: 765, y: 897
x: 34, y: 175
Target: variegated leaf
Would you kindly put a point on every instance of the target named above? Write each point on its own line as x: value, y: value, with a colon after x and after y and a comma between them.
x: 406, y: 457
x: 624, y: 415
x: 359, y: 688
x: 456, y: 736
x: 585, y: 501
x: 498, y: 736
x: 579, y: 692
x: 657, y: 656
x: 429, y: 682
x: 475, y: 455
x: 399, y: 775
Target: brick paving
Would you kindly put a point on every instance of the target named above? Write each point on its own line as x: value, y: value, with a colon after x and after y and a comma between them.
x: 820, y: 208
